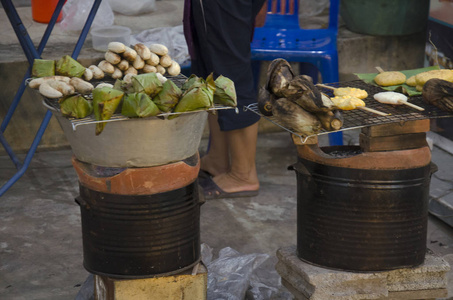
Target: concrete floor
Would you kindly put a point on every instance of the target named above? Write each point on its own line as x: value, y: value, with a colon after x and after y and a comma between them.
x: 40, y: 233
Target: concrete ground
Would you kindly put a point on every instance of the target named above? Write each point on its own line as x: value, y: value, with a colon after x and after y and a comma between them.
x: 40, y: 233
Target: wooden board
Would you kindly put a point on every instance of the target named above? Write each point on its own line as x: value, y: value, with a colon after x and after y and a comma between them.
x: 415, y: 126
x: 392, y: 143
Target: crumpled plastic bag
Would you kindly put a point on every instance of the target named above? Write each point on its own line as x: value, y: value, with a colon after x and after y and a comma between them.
x: 236, y: 276
x: 75, y: 14
x: 172, y: 37
x: 133, y: 7
x: 310, y: 8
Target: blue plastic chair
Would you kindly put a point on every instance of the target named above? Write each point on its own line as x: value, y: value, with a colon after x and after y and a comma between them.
x: 282, y: 37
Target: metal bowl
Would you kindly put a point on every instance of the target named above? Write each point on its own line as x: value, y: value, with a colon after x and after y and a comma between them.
x: 136, y: 142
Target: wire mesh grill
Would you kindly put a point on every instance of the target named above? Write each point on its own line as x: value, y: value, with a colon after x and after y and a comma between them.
x: 358, y: 118
x: 179, y: 80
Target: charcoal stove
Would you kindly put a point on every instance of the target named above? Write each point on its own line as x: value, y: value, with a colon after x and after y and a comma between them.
x: 139, y: 222
x: 364, y: 208
x: 139, y: 201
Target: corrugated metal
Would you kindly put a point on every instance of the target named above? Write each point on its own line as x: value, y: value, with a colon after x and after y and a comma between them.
x: 133, y: 236
x: 361, y: 220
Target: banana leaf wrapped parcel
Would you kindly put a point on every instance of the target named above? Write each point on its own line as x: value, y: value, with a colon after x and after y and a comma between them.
x: 43, y: 68
x: 138, y: 105
x: 147, y: 83
x: 197, y: 98
x: 106, y: 101
x: 123, y: 86
x: 192, y: 82
x: 75, y: 106
x: 67, y: 66
x: 225, y: 92
x: 168, y: 97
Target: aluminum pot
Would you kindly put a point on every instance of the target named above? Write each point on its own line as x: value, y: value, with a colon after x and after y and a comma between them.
x: 136, y: 142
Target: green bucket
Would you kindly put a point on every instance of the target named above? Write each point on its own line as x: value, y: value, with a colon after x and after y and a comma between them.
x: 385, y: 17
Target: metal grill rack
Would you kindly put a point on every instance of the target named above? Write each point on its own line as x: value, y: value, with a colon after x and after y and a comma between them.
x: 357, y: 118
x: 179, y: 80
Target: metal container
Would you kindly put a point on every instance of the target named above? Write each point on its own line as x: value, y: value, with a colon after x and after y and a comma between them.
x: 385, y: 17
x: 138, y: 236
x: 136, y: 142
x: 362, y: 211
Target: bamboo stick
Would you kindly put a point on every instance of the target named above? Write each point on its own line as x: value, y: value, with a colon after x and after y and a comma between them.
x: 373, y: 111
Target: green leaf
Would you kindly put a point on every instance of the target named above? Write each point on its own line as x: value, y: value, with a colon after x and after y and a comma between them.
x: 75, y: 106
x: 139, y: 105
x: 411, y: 91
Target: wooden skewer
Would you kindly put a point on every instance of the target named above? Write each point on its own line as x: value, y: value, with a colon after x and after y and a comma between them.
x: 412, y: 105
x: 359, y: 107
x: 403, y: 102
x: 373, y: 111
x: 325, y: 86
x: 380, y: 70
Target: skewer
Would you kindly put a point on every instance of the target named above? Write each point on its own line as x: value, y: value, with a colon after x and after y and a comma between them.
x: 325, y: 86
x: 380, y: 70
x: 374, y: 111
x: 411, y: 105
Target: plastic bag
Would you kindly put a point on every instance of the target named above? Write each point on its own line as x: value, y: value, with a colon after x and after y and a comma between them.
x: 172, y: 37
x: 235, y: 276
x: 75, y: 14
x: 133, y: 7
x: 310, y: 8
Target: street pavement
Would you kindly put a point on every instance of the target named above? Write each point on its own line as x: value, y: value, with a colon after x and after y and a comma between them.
x: 41, y: 253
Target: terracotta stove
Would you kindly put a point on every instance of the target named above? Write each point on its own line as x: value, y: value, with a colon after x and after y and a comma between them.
x: 362, y: 210
x: 365, y: 209
x: 140, y: 222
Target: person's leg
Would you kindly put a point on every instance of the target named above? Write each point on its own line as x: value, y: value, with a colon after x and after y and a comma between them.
x: 216, y: 160
x: 242, y: 175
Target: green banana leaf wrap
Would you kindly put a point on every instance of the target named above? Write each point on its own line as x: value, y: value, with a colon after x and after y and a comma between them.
x: 402, y: 88
x: 197, y: 98
x: 67, y: 66
x: 106, y: 100
x: 167, y: 99
x: 147, y: 83
x: 138, y: 105
x: 225, y: 92
x: 120, y: 85
x: 43, y: 68
x: 75, y: 106
x: 192, y: 82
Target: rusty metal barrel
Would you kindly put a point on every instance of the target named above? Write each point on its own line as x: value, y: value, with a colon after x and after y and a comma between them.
x: 359, y: 211
x: 139, y: 222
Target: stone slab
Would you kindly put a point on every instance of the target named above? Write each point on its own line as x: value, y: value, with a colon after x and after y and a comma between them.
x: 187, y: 285
x: 307, y: 281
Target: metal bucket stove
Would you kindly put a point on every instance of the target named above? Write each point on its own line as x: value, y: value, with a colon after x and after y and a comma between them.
x: 140, y: 202
x: 139, y: 198
x: 362, y: 211
x: 364, y: 208
x: 140, y: 222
